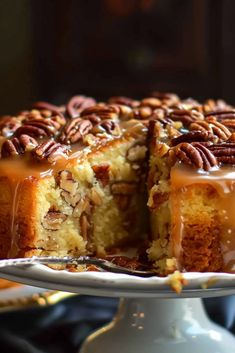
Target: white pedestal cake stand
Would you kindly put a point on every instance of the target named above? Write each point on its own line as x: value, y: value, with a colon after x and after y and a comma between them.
x: 152, y: 318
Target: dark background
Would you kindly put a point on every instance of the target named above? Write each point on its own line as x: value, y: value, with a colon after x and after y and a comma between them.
x: 51, y: 49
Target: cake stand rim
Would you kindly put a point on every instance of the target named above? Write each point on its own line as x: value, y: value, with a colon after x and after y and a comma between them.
x: 117, y: 285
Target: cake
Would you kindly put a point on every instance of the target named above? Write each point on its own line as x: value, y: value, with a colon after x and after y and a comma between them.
x: 95, y: 178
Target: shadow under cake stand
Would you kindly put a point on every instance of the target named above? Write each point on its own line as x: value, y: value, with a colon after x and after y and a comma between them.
x: 151, y: 318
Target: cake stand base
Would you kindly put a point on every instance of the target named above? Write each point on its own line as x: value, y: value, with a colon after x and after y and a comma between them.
x: 160, y: 326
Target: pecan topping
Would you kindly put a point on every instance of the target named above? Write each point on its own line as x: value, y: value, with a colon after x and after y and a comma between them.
x: 124, y: 101
x: 161, y: 115
x: 102, y: 173
x: 169, y: 99
x: 229, y: 123
x: 48, y: 106
x: 107, y: 126
x: 212, y: 105
x: 212, y: 126
x: 185, y: 116
x: 40, y: 124
x: 17, y: 146
x: 193, y: 136
x: 53, y: 220
x: 142, y: 113
x: 151, y: 102
x: 50, y: 151
x: 77, y: 104
x: 224, y: 152
x: 103, y: 111
x: 8, y: 125
x: 108, y: 111
x: 75, y: 130
x: 221, y: 115
x: 195, y: 155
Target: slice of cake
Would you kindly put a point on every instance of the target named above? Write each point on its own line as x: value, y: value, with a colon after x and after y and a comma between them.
x: 191, y: 185
x: 72, y: 178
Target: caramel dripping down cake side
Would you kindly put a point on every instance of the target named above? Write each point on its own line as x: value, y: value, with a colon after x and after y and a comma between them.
x: 191, y: 187
x: 72, y: 178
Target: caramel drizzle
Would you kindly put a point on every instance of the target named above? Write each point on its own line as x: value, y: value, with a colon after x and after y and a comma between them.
x: 223, y: 181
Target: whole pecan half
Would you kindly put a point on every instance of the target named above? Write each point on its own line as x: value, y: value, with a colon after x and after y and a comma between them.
x: 37, y: 128
x: 151, y: 102
x: 221, y: 115
x: 229, y: 123
x: 224, y: 152
x: 195, y: 155
x: 167, y: 99
x: 9, y: 124
x: 161, y: 115
x: 50, y: 151
x: 124, y: 101
x: 108, y: 111
x: 208, y: 158
x: 110, y: 127
x: 77, y: 104
x: 18, y: 145
x: 213, y: 126
x: 193, y: 136
x: 75, y: 130
x: 48, y: 106
x: 40, y: 124
x: 185, y: 116
x: 103, y: 111
x: 212, y: 105
x: 142, y: 113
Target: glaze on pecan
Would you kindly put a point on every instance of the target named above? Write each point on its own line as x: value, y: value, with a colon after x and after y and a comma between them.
x: 195, y: 155
x: 168, y: 99
x: 186, y: 117
x: 224, y: 152
x: 39, y: 124
x: 193, y: 136
x: 108, y: 111
x: 48, y: 106
x: 124, y: 101
x: 213, y: 126
x: 17, y: 146
x: 9, y: 124
x: 77, y: 104
x: 50, y: 151
x: 110, y: 127
x: 75, y: 130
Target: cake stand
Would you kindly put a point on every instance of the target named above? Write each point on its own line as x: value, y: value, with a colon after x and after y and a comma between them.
x: 152, y: 318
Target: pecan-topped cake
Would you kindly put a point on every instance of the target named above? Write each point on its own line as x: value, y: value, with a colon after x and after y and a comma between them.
x: 74, y: 180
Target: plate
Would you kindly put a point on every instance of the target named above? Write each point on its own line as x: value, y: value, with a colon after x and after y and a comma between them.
x: 26, y: 296
x: 116, y: 285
